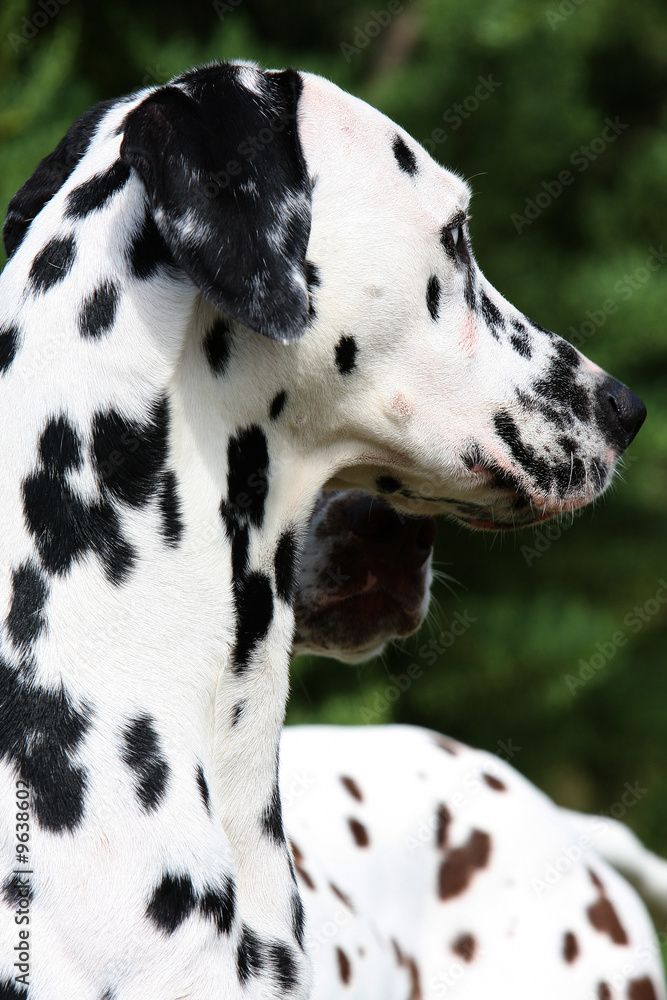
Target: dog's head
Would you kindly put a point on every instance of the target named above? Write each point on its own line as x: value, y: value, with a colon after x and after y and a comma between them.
x: 338, y: 253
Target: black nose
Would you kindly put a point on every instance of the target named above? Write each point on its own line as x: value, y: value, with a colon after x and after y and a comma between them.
x: 622, y: 412
x: 372, y: 519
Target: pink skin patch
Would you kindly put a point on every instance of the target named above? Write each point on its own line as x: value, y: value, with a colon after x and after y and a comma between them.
x: 401, y: 406
x: 468, y: 339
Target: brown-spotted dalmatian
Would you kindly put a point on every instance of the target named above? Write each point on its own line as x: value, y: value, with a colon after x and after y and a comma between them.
x: 221, y: 295
x: 467, y: 879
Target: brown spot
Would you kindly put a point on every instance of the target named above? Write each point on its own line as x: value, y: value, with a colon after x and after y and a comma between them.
x: 596, y: 881
x: 570, y: 947
x: 298, y: 866
x: 495, y: 783
x: 344, y: 966
x: 641, y: 989
x: 447, y: 745
x: 465, y: 947
x: 604, y: 992
x: 442, y: 826
x: 604, y: 919
x: 341, y: 895
x: 407, y: 962
x: 352, y: 787
x: 359, y: 832
x: 459, y: 866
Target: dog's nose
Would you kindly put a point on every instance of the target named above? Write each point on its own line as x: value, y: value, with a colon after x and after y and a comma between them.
x: 622, y: 411
x: 390, y: 533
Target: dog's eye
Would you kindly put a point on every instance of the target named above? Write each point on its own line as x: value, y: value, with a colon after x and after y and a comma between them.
x: 455, y: 234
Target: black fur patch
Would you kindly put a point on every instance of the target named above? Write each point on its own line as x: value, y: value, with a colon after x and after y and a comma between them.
x: 98, y: 312
x: 142, y: 755
x: 203, y: 788
x: 285, y: 561
x: 52, y: 263
x: 249, y: 958
x: 18, y: 888
x: 247, y: 475
x: 272, y: 818
x: 313, y: 281
x: 148, y: 252
x: 237, y: 712
x: 536, y: 467
x: 282, y: 963
x: 298, y: 919
x: 278, y: 405
x: 172, y: 902
x: 346, y: 355
x: 50, y: 175
x: 170, y: 509
x: 25, y: 620
x: 254, y: 610
x: 129, y: 456
x: 433, y: 296
x: 520, y: 340
x: 404, y: 156
x: 219, y: 905
x: 40, y: 732
x: 492, y: 315
x: 559, y: 386
x: 10, y: 991
x: 96, y: 192
x: 217, y: 345
x: 469, y: 292
x: 10, y: 337
x: 387, y: 484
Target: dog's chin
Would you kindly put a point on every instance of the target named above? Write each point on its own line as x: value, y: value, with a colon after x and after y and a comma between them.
x: 357, y: 627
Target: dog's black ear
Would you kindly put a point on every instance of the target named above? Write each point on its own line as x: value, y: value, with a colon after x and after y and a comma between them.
x: 50, y: 175
x: 219, y: 154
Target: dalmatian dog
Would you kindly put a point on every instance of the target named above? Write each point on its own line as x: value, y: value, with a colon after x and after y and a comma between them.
x: 221, y: 295
x: 466, y: 879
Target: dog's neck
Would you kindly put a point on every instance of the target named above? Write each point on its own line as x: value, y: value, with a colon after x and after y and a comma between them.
x: 151, y: 496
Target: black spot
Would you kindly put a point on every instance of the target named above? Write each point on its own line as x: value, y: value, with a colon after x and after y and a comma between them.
x: 313, y: 281
x: 469, y: 293
x: 433, y: 296
x: 560, y: 387
x: 148, y: 252
x: 99, y: 311
x: 10, y: 991
x: 298, y: 919
x: 284, y: 967
x: 142, y: 754
x: 217, y: 345
x: 272, y: 818
x: 130, y: 456
x: 94, y: 193
x: 170, y: 509
x: 254, y: 610
x: 108, y: 994
x: 237, y: 712
x: 40, y: 732
x: 249, y: 958
x: 25, y: 620
x: 50, y: 175
x: 219, y: 905
x: 520, y: 340
x: 278, y: 405
x: 285, y: 561
x: 492, y: 315
x: 524, y: 454
x: 10, y: 336
x: 346, y: 355
x: 203, y: 788
x: 240, y: 542
x: 247, y: 475
x: 404, y: 156
x: 171, y: 902
x: 18, y: 888
x: 387, y: 484
x: 53, y: 263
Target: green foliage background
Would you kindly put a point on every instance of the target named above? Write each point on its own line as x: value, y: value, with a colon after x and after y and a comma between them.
x: 559, y: 69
